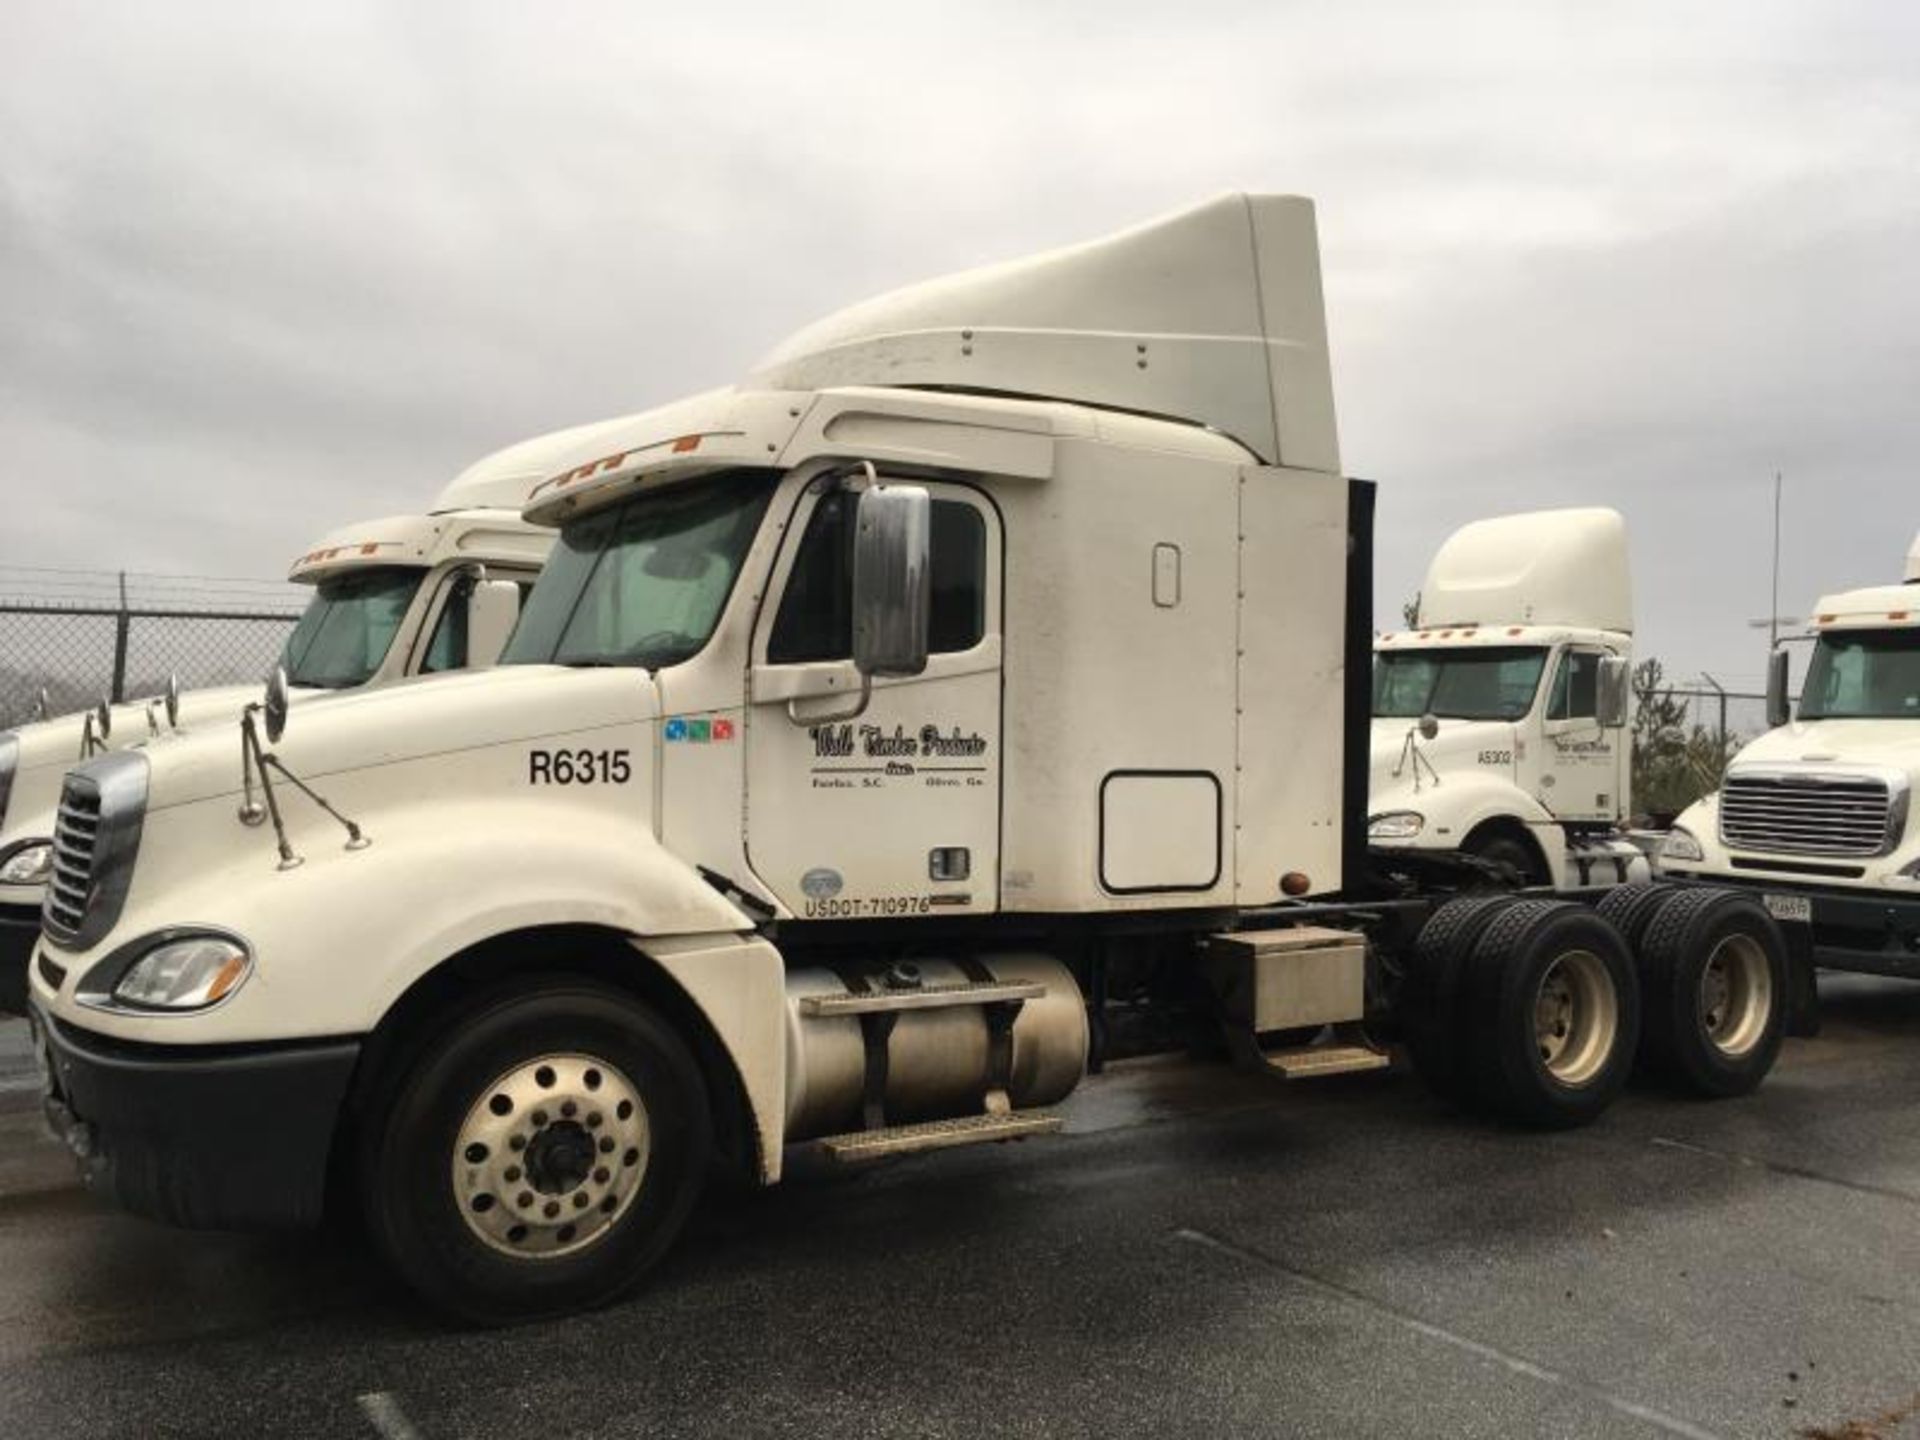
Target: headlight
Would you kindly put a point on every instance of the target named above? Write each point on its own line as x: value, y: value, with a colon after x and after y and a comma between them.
x: 188, y: 974
x: 1396, y: 825
x: 31, y: 864
x: 1680, y: 845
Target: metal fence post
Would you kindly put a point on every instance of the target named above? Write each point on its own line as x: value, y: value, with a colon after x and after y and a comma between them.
x: 122, y: 622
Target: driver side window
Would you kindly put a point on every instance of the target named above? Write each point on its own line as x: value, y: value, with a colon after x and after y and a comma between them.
x: 1576, y: 687
x: 815, y: 619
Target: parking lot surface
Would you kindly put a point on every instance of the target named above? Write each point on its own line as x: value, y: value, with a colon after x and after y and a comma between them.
x: 1203, y: 1252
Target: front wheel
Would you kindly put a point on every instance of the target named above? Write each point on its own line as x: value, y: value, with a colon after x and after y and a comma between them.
x: 540, y: 1156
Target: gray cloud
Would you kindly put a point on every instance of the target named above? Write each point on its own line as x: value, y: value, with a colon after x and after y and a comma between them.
x: 264, y: 268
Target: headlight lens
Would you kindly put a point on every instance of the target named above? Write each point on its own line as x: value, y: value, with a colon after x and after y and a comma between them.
x: 1680, y: 845
x: 1396, y: 825
x: 188, y: 974
x: 29, y: 865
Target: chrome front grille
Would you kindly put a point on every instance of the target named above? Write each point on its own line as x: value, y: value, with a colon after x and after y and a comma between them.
x: 1788, y: 813
x: 96, y: 834
x: 76, y: 835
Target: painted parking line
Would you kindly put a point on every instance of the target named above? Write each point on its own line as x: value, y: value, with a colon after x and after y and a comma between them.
x: 383, y: 1412
x: 1517, y: 1364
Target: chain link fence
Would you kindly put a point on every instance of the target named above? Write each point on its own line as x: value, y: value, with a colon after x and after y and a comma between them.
x: 80, y: 635
x: 1683, y: 737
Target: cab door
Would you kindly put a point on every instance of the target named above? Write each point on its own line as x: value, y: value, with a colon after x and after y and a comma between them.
x: 895, y: 810
x: 1580, y: 769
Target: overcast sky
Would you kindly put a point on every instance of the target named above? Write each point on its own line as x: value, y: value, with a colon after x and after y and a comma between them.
x: 266, y: 268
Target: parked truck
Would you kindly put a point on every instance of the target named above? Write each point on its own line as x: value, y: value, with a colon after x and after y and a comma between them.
x: 1499, y: 718
x: 392, y: 597
x: 1816, y: 815
x: 975, y: 693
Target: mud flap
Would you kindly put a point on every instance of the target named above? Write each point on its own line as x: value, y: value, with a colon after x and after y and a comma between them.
x: 1803, y: 996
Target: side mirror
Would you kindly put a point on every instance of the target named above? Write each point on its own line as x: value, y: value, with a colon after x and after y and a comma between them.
x: 1429, y: 726
x: 172, y: 700
x: 43, y: 705
x: 892, y: 583
x: 103, y: 719
x: 1779, y: 712
x: 1613, y: 692
x: 276, y: 706
x: 493, y: 609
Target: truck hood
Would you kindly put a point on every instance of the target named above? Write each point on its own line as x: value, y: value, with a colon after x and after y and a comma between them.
x: 1813, y: 743
x: 1458, y: 741
x: 49, y: 748
x: 409, y: 719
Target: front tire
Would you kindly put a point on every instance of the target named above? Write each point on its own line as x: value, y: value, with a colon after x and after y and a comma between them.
x: 1514, y: 857
x: 540, y: 1156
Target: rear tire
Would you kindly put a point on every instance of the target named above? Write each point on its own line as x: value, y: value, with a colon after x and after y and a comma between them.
x: 1429, y: 1008
x: 540, y: 1156
x: 1552, y: 1006
x: 1713, y: 970
x: 1631, y: 907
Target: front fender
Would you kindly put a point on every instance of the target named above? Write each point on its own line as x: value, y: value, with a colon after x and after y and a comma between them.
x: 340, y: 937
x: 1459, y: 805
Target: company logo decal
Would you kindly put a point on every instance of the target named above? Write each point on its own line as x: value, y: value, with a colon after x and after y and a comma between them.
x: 938, y: 759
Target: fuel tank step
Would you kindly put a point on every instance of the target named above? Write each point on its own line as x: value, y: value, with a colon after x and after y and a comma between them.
x: 922, y: 997
x: 1311, y: 1062
x: 861, y: 1145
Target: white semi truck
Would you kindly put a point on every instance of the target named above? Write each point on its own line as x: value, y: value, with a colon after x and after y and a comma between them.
x: 976, y: 692
x: 1817, y: 814
x: 398, y: 596
x: 1499, y: 718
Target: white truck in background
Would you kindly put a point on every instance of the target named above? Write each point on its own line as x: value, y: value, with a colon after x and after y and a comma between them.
x: 1817, y: 814
x: 1499, y: 719
x: 398, y: 596
x: 976, y: 692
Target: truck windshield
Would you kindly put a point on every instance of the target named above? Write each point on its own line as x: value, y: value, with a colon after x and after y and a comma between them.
x: 1863, y: 675
x: 643, y: 583
x: 1484, y: 683
x: 348, y: 627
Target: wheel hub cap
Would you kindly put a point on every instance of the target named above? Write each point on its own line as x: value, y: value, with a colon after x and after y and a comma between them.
x: 1736, y: 995
x: 550, y: 1156
x: 1576, y: 1016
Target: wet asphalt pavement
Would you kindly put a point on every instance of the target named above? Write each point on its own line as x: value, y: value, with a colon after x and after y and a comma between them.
x: 1202, y: 1253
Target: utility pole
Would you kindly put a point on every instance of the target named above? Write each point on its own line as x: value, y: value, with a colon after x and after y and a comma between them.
x: 1773, y: 610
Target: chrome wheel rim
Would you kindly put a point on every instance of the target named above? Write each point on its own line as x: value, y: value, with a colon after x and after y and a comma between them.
x: 1736, y: 995
x: 1576, y: 1017
x: 550, y: 1156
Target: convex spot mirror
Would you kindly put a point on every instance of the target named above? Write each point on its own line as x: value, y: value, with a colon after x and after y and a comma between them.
x: 1429, y: 726
x: 1613, y: 692
x: 1779, y: 674
x: 493, y: 609
x: 892, y: 584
